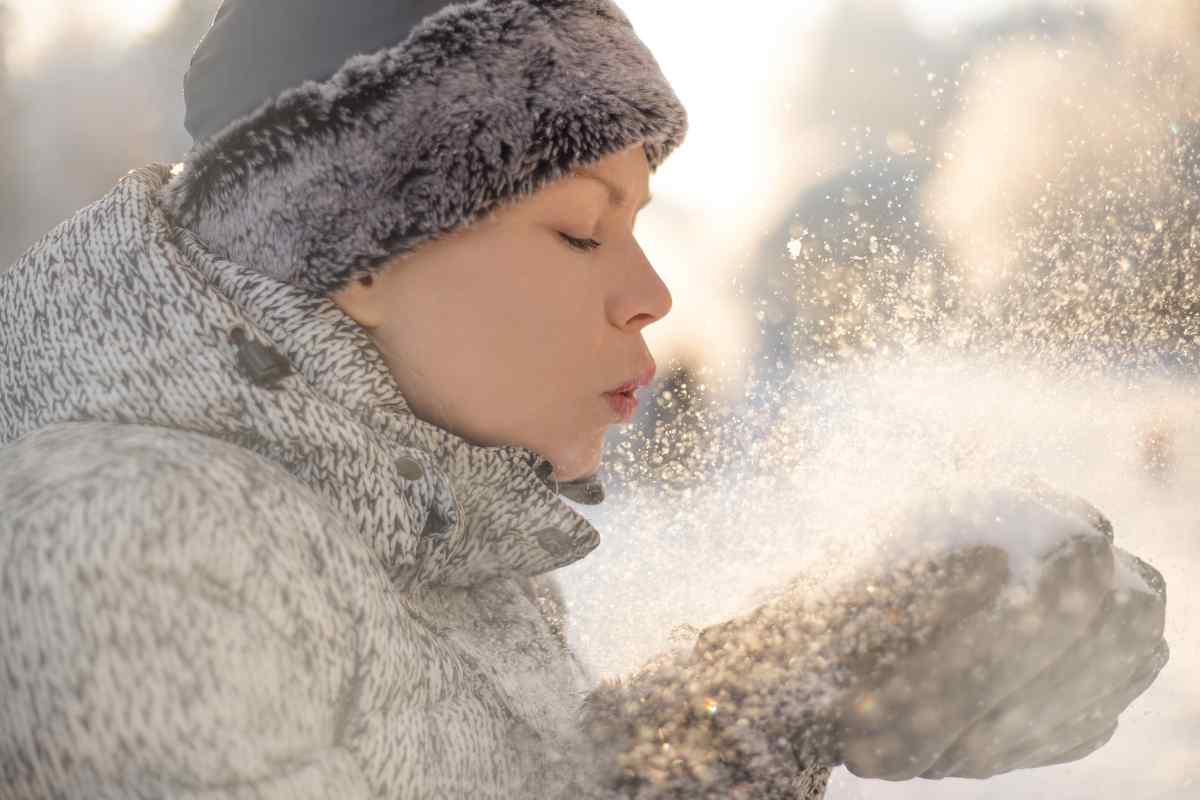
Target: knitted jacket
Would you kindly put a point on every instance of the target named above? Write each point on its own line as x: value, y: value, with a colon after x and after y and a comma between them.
x: 234, y: 564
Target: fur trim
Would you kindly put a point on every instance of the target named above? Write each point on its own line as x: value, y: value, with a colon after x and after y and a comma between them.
x: 485, y: 102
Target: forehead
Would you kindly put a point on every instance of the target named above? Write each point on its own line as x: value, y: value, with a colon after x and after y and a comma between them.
x: 620, y: 185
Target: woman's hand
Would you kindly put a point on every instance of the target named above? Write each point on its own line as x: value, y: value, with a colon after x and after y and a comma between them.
x: 1005, y: 632
x: 1033, y: 671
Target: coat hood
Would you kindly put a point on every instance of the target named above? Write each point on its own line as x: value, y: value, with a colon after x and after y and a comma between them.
x: 121, y: 315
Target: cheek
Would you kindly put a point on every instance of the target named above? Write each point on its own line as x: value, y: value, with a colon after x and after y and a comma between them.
x: 522, y: 320
x: 550, y: 344
x: 544, y: 304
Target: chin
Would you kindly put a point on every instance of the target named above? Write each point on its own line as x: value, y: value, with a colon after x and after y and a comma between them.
x: 575, y: 470
x: 578, y: 462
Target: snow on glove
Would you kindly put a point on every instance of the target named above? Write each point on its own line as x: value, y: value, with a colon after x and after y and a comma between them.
x: 752, y: 710
x: 1004, y: 631
x: 780, y: 679
x: 1039, y: 674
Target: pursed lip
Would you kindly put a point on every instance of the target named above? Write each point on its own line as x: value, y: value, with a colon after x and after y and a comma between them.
x: 637, y: 382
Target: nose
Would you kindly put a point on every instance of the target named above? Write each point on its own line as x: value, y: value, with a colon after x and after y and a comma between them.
x: 641, y: 297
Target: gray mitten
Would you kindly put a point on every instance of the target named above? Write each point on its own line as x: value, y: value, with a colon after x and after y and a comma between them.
x: 1004, y: 631
x: 1036, y: 677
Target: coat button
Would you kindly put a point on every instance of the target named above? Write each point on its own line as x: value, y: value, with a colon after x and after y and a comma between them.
x: 410, y: 470
x: 544, y: 470
x: 435, y: 523
x: 260, y: 363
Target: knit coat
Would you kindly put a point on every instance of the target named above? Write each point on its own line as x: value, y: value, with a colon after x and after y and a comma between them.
x: 234, y: 564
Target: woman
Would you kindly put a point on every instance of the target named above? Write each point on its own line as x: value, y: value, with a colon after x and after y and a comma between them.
x: 283, y: 432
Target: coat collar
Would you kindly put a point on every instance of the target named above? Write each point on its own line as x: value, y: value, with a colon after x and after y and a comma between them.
x: 492, y: 510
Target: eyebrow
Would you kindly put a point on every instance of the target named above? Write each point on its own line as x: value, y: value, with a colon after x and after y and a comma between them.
x: 616, y: 195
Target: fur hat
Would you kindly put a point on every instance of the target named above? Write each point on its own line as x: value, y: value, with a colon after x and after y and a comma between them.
x: 333, y: 135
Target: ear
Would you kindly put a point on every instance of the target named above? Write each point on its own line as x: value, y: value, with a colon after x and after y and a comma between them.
x: 363, y: 300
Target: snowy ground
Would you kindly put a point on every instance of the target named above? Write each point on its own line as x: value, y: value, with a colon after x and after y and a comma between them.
x: 803, y: 499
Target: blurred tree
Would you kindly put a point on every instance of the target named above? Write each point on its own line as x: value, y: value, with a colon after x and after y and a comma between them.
x: 852, y: 257
x: 874, y: 73
x: 9, y: 222
x: 1073, y: 207
x: 89, y: 111
x: 854, y: 270
x: 864, y: 262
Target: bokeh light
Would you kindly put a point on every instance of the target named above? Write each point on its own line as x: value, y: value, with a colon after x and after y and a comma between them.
x: 40, y: 24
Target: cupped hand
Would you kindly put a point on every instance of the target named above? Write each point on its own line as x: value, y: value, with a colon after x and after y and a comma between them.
x: 998, y: 629
x: 1042, y: 633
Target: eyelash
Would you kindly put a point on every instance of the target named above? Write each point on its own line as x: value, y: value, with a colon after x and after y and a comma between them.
x: 580, y: 244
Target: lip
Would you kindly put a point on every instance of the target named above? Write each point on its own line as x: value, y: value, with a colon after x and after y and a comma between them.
x: 622, y: 399
x: 637, y: 382
x: 625, y: 405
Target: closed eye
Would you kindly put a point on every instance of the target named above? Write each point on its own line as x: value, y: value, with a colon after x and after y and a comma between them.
x: 580, y: 244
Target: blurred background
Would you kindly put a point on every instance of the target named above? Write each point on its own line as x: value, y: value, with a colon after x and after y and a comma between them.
x: 908, y: 240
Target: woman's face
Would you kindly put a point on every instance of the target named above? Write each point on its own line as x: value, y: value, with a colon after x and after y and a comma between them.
x: 512, y: 330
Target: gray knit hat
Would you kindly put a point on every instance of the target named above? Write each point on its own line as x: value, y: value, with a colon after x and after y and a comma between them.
x: 333, y: 135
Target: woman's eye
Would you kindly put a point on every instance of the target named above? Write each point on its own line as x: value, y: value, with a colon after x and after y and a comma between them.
x: 580, y: 244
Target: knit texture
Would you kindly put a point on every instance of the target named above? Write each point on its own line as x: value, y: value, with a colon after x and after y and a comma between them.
x: 155, y: 495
